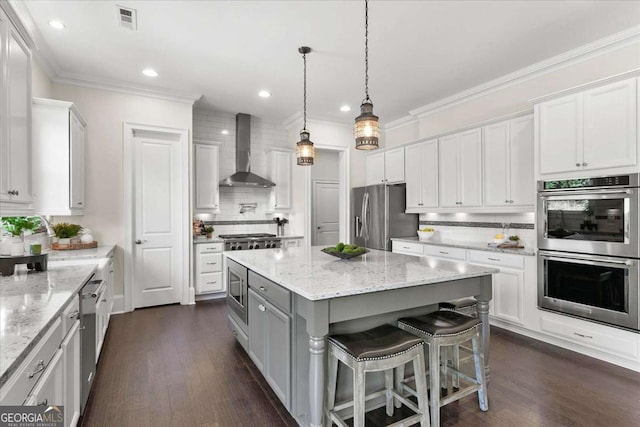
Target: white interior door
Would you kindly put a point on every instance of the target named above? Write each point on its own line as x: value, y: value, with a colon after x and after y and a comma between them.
x: 157, y: 198
x: 326, y: 218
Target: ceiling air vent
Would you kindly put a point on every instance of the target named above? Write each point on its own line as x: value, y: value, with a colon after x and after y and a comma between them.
x: 127, y: 18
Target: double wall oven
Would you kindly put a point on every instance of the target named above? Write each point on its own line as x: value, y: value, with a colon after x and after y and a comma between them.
x: 589, y: 250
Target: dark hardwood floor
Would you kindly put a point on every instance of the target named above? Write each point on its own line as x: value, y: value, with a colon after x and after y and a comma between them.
x: 180, y: 365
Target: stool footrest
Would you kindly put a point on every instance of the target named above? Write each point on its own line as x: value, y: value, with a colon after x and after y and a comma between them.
x: 459, y: 394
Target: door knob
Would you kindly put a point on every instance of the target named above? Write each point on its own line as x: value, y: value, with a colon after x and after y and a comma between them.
x: 139, y: 242
x: 319, y: 227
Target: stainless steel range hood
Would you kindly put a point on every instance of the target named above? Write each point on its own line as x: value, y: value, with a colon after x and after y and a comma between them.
x: 243, y: 176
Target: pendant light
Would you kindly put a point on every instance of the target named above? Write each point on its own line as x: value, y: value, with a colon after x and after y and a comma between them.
x: 304, y: 148
x: 366, y: 129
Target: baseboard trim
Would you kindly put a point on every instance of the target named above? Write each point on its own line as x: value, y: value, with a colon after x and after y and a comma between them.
x: 118, y: 304
x: 207, y: 297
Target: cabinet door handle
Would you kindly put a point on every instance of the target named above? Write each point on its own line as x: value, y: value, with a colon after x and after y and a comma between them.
x: 263, y: 289
x: 506, y: 201
x: 235, y: 333
x: 578, y: 164
x: 45, y: 402
x: 211, y: 263
x: 406, y: 247
x: 74, y: 315
x: 211, y: 283
x: 494, y: 259
x: 582, y: 335
x: 79, y: 203
x: 444, y: 252
x: 39, y: 368
x: 584, y: 164
x: 262, y: 307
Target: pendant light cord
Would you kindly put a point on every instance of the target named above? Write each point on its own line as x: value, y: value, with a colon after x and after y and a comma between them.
x: 366, y: 50
x: 304, y: 109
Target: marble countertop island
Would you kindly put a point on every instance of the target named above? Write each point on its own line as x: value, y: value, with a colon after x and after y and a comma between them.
x: 29, y: 304
x: 314, y: 275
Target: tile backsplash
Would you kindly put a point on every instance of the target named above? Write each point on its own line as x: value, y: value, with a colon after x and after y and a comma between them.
x: 208, y: 126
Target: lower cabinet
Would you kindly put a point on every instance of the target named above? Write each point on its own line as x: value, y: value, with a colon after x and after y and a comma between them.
x: 71, y: 355
x: 50, y: 387
x: 270, y: 344
x: 508, y: 295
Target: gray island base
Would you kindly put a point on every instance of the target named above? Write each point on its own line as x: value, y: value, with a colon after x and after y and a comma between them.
x: 327, y: 295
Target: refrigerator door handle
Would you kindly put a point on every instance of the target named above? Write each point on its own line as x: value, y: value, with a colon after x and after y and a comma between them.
x: 357, y: 226
x: 365, y: 223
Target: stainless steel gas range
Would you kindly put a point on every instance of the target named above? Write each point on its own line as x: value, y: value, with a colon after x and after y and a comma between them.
x: 239, y: 242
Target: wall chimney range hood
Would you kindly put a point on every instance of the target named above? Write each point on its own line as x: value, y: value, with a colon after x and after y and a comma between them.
x: 243, y: 176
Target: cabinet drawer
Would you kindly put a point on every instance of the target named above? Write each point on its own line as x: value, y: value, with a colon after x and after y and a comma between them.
x: 16, y: 389
x: 237, y: 332
x: 209, y: 282
x: 272, y: 292
x: 408, y: 248
x: 204, y: 248
x: 445, y: 252
x: 210, y: 263
x: 613, y: 342
x: 497, y: 258
x: 70, y: 315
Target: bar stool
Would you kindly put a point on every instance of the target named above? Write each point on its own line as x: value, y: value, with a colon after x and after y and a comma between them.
x: 469, y: 307
x: 379, y: 349
x: 448, y: 328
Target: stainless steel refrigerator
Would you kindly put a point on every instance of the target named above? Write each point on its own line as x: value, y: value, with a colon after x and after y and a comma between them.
x: 377, y: 214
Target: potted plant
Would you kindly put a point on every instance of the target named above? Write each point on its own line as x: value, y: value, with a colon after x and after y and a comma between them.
x: 208, y: 231
x: 65, y: 232
x: 514, y: 240
x: 17, y: 226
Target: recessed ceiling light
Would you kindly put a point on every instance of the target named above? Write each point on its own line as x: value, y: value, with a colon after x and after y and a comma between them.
x: 57, y: 24
x: 264, y: 94
x: 150, y: 72
x: 224, y: 132
x: 345, y: 108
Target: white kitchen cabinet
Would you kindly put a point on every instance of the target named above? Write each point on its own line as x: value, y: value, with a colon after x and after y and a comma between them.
x: 421, y: 175
x: 386, y: 167
x: 206, y: 161
x: 589, y: 130
x: 208, y: 268
x: 49, y: 391
x: 15, y: 122
x: 460, y: 169
x: 375, y: 168
x: 508, y: 167
x: 58, y: 158
x: 292, y: 243
x: 71, y: 371
x: 280, y: 173
x: 508, y: 295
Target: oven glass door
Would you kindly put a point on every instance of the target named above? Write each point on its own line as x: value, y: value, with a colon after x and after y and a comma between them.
x: 237, y: 289
x: 596, y: 222
x: 598, y: 288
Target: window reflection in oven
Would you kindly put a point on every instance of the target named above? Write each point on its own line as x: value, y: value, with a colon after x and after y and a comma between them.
x: 586, y: 219
x: 592, y: 285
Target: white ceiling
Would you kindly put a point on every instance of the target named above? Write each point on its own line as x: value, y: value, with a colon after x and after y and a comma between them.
x: 420, y: 51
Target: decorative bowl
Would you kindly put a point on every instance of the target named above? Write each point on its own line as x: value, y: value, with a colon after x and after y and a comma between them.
x: 498, y: 241
x: 342, y: 255
x: 425, y: 235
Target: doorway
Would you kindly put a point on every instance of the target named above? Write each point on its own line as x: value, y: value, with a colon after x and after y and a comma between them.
x: 156, y: 209
x: 325, y: 198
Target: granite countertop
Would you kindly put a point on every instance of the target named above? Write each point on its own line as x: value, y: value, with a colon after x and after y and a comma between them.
x: 97, y: 253
x: 199, y: 240
x: 481, y: 246
x: 29, y: 304
x: 315, y: 275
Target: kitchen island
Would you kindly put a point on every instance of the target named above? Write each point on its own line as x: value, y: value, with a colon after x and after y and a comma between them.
x: 318, y: 294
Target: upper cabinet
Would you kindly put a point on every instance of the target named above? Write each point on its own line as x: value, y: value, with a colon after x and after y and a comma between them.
x: 421, y: 163
x: 386, y: 167
x: 460, y: 166
x: 508, y: 167
x: 58, y: 158
x: 280, y: 173
x: 589, y: 130
x: 15, y: 122
x: 206, y: 161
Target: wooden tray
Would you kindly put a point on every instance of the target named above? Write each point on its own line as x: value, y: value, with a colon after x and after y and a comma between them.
x: 74, y: 246
x: 510, y: 246
x: 343, y: 255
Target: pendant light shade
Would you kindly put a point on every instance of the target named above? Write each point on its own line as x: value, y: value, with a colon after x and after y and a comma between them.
x: 367, y: 130
x: 304, y: 149
x: 305, y: 153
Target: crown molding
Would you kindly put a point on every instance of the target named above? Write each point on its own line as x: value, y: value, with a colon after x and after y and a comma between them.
x: 116, y: 86
x: 574, y: 56
x: 402, y: 121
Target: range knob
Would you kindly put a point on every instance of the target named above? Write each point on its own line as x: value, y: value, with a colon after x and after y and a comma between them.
x: 239, y: 247
x: 256, y: 246
x: 250, y: 246
x: 233, y: 248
